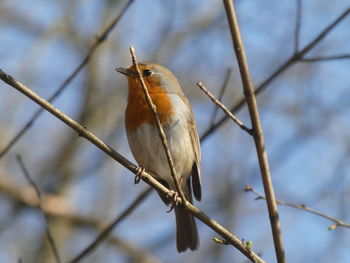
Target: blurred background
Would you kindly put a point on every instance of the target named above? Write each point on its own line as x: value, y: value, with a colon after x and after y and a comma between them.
x: 304, y: 112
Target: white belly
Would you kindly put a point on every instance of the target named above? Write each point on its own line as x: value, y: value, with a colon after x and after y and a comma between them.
x: 148, y: 150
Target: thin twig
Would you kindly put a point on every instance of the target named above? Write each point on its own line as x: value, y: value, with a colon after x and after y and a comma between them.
x: 221, y: 93
x: 98, y: 40
x: 146, y: 177
x: 159, y: 127
x: 224, y: 109
x: 109, y: 228
x: 286, y: 65
x: 249, y: 94
x: 249, y: 188
x: 38, y: 193
x: 325, y: 58
x: 297, y: 26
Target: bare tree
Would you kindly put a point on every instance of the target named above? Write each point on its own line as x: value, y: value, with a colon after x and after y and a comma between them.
x: 297, y: 55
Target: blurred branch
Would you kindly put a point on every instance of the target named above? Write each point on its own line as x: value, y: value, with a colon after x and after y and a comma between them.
x: 286, y: 65
x: 58, y: 207
x: 258, y: 135
x: 224, y: 109
x: 51, y: 204
x: 249, y: 188
x: 297, y: 26
x: 134, y: 253
x: 169, y: 45
x: 38, y: 193
x: 99, y: 39
x: 109, y: 228
x: 325, y: 58
x: 146, y: 177
x: 13, y: 17
x: 221, y: 93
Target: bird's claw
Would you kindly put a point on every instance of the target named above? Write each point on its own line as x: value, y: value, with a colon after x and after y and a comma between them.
x: 173, y: 196
x: 138, y: 174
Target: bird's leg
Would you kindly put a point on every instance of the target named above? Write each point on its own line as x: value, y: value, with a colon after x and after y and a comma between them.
x: 173, y: 196
x: 138, y: 174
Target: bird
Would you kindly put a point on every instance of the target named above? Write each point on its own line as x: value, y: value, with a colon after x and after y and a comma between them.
x: 179, y: 125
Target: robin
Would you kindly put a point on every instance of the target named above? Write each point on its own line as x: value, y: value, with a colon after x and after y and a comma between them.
x: 176, y: 116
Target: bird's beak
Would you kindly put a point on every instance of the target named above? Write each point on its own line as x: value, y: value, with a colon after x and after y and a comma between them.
x: 125, y: 71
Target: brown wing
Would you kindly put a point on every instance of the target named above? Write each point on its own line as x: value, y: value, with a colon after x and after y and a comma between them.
x: 196, y: 170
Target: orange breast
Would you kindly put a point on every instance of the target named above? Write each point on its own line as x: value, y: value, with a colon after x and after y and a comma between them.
x: 138, y: 111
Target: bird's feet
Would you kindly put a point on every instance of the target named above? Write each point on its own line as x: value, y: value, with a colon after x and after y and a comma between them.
x: 173, y: 196
x: 138, y: 174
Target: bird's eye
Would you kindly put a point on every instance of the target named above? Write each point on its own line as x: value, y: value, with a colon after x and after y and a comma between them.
x: 147, y: 72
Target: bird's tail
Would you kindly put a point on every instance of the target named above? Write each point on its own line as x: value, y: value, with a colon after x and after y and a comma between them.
x: 186, y: 229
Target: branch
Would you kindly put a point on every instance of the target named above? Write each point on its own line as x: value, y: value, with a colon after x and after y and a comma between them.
x: 159, y: 127
x: 249, y: 188
x: 38, y: 193
x: 297, y: 26
x: 325, y: 58
x: 51, y: 204
x: 146, y: 177
x: 224, y: 109
x: 109, y: 228
x: 249, y: 94
x: 133, y: 253
x: 221, y: 93
x: 286, y: 65
x: 55, y: 206
x: 58, y: 207
x: 97, y: 42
